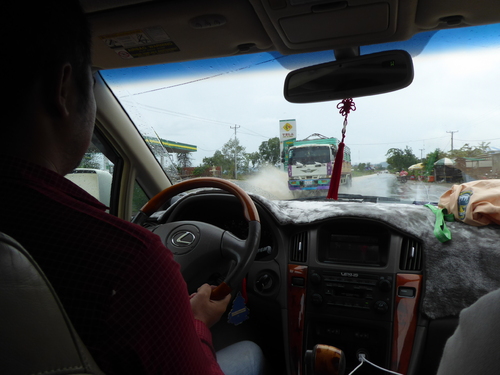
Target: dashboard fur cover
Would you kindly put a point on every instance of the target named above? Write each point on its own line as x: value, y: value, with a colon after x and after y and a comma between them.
x: 456, y: 273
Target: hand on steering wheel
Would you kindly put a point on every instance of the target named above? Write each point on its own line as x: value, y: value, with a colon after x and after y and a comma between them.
x: 194, y: 242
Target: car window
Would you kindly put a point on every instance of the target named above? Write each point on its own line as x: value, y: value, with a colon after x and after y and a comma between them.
x: 94, y: 174
x: 99, y: 172
x: 227, y: 117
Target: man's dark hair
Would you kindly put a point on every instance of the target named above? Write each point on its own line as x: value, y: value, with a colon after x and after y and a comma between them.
x: 42, y: 35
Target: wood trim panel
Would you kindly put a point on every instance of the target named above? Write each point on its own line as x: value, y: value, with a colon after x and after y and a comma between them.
x: 296, y: 315
x: 405, y: 320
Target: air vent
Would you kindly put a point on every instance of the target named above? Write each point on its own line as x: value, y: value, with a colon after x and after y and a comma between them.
x: 411, y: 255
x: 298, y: 250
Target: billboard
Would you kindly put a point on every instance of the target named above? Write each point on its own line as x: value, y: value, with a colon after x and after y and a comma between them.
x: 288, y: 130
x: 288, y: 133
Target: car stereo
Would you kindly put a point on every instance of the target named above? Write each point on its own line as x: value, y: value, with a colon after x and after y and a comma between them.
x: 350, y: 294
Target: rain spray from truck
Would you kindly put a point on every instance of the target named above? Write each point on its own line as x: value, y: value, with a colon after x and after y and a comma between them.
x: 310, y: 163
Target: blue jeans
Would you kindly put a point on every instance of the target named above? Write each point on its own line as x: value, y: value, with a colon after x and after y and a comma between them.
x: 242, y: 358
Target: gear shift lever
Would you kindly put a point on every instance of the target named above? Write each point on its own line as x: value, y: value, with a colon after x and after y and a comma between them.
x: 324, y: 360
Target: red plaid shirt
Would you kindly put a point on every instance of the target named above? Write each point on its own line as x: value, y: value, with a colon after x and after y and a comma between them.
x: 118, y: 283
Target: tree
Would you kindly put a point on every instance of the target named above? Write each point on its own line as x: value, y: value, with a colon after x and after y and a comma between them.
x: 234, y: 154
x: 225, y: 158
x: 255, y: 158
x: 270, y: 151
x: 361, y: 167
x: 401, y: 159
x: 466, y: 151
x: 484, y: 146
x: 431, y: 158
x: 184, y: 159
x: 217, y: 160
x: 201, y: 171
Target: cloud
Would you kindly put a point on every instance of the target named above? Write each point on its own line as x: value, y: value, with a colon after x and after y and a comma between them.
x: 451, y: 91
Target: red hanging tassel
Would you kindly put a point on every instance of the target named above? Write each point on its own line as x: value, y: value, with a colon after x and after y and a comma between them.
x: 333, y: 191
x: 346, y: 106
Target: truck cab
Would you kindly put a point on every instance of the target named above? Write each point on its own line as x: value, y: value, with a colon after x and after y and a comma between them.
x: 311, y: 162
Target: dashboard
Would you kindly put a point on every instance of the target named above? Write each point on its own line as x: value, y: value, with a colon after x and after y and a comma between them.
x: 366, y: 278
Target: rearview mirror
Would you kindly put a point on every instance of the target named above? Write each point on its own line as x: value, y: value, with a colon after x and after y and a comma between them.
x: 366, y: 75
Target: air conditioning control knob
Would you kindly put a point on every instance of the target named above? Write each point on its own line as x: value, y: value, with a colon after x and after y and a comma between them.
x: 384, y: 285
x: 381, y: 307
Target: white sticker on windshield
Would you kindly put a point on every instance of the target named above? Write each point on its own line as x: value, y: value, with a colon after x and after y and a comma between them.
x: 140, y: 43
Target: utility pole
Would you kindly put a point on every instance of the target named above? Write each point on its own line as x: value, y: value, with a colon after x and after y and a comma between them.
x: 422, y: 149
x: 452, y: 131
x: 235, y: 127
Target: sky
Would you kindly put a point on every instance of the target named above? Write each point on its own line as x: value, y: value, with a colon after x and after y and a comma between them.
x: 454, y: 93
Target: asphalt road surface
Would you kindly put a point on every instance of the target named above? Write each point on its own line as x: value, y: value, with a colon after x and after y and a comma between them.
x: 387, y: 185
x: 273, y: 185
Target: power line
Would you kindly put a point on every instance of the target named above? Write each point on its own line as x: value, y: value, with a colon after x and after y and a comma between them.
x: 477, y: 140
x: 211, y: 76
x: 394, y: 142
x: 200, y: 118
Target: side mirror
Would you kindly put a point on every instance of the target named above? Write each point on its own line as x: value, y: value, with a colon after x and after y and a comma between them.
x: 365, y: 75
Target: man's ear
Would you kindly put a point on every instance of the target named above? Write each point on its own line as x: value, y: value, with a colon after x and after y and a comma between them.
x: 62, y: 90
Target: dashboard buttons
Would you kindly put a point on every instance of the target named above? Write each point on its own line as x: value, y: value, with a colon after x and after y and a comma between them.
x: 298, y: 281
x: 407, y: 292
x: 381, y: 306
x: 351, y: 294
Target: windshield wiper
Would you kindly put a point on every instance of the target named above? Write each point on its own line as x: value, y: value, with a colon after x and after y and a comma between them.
x: 359, y: 198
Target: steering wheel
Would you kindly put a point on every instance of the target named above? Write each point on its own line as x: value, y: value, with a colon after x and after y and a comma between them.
x: 194, y: 242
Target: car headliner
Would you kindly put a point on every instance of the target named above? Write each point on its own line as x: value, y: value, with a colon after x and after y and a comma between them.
x: 201, y: 29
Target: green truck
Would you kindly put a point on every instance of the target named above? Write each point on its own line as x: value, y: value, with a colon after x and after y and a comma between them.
x: 310, y: 163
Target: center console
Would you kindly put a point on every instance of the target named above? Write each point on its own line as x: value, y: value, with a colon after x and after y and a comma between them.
x: 350, y: 291
x: 352, y: 311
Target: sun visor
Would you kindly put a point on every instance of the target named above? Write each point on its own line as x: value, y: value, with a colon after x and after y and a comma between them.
x: 360, y: 20
x: 314, y: 25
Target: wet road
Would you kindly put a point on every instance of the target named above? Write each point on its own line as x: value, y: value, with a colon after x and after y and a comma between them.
x: 387, y: 185
x: 273, y: 185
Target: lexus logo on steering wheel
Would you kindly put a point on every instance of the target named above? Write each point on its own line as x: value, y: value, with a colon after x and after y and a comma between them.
x: 183, y: 238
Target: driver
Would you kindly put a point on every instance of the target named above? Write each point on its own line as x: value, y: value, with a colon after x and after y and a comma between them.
x: 119, y: 285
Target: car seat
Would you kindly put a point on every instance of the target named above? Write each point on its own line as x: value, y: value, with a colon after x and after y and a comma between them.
x: 36, y: 336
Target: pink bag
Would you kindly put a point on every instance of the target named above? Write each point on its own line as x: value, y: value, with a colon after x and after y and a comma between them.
x: 475, y: 203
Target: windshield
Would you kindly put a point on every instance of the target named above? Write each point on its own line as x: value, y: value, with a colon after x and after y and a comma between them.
x: 228, y: 118
x: 310, y: 155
